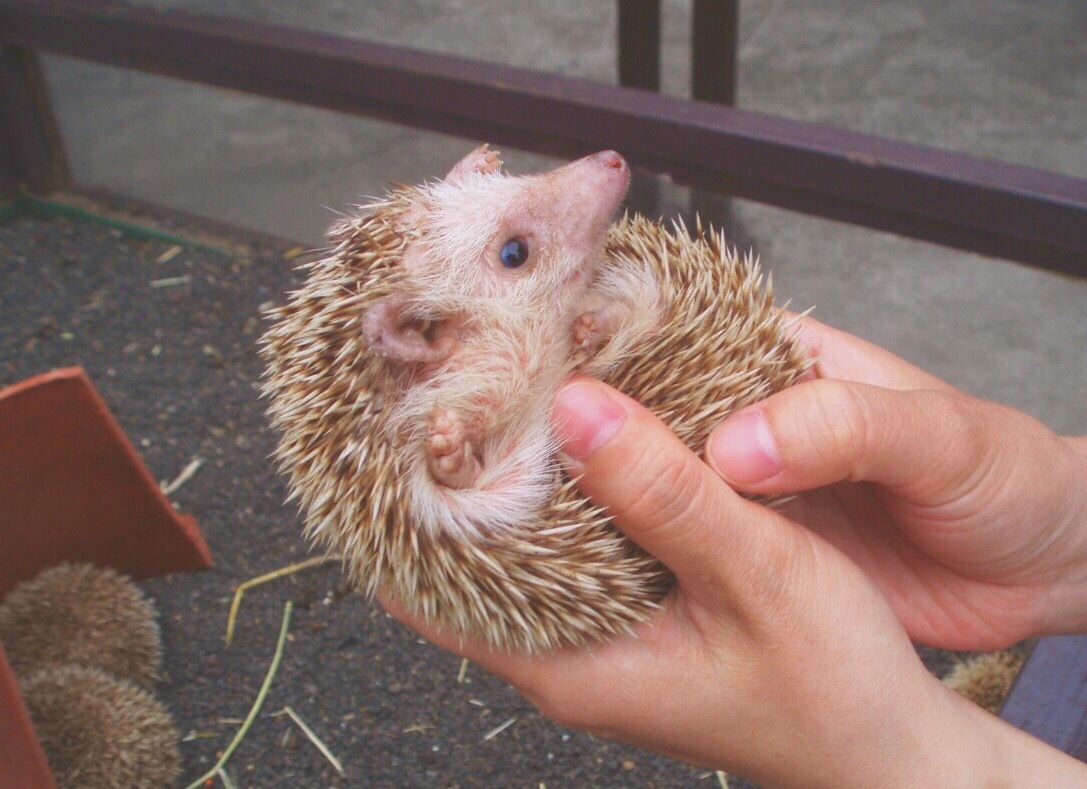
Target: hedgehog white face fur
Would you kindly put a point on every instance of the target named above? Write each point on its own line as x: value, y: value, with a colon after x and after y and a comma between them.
x: 496, y: 275
x: 461, y: 231
x: 412, y: 375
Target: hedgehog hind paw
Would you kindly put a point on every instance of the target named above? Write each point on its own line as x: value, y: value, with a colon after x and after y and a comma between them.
x: 451, y: 458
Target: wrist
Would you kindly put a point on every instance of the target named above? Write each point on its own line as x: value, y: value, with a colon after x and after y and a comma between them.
x: 965, y: 746
x: 1064, y: 609
x: 1061, y: 606
x: 956, y: 743
x: 918, y: 734
x: 947, y: 741
x: 999, y: 755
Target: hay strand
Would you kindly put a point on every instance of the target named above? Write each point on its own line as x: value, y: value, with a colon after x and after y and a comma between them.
x: 500, y: 728
x: 186, y: 474
x: 318, y: 743
x: 262, y: 579
x: 257, y: 704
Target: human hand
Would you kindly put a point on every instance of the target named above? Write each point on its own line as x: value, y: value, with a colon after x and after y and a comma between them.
x: 773, y: 656
x: 970, y: 517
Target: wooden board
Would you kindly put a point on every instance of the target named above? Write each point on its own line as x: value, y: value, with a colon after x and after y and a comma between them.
x: 22, y: 762
x: 74, y: 489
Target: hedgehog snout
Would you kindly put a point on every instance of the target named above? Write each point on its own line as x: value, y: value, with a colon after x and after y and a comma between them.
x: 610, y: 159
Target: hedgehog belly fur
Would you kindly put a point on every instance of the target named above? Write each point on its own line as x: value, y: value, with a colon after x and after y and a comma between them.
x: 565, y: 575
x: 500, y: 381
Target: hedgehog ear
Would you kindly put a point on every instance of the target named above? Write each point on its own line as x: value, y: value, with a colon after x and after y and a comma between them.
x: 482, y: 161
x: 395, y: 335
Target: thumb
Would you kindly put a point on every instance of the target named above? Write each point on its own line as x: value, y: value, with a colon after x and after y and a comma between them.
x: 659, y: 493
x: 919, y: 441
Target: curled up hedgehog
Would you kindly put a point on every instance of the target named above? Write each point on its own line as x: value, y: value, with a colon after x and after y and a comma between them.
x: 411, y: 378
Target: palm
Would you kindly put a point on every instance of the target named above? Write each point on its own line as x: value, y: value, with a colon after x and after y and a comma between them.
x: 937, y: 605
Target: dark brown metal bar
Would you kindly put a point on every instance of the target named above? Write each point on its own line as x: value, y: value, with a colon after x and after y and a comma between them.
x: 1049, y: 698
x: 996, y: 208
x: 714, y: 39
x: 714, y: 32
x: 640, y: 43
x: 35, y: 157
x: 9, y: 179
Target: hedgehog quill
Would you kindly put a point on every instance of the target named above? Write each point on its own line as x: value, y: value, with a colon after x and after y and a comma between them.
x: 411, y: 378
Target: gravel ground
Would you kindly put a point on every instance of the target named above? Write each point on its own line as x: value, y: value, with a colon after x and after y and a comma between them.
x: 168, y: 335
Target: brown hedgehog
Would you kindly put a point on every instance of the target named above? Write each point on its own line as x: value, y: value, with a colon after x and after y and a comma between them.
x: 986, y: 679
x: 411, y: 378
x: 100, y: 732
x: 81, y: 615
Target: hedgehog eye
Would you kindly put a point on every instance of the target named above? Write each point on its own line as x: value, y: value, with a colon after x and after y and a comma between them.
x: 514, y: 253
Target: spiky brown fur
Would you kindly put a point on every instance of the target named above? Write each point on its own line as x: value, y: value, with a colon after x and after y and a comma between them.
x: 986, y: 679
x: 99, y: 732
x: 571, y: 577
x: 82, y: 615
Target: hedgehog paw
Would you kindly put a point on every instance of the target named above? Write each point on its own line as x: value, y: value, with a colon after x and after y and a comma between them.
x: 588, y: 333
x: 451, y: 459
x: 489, y: 161
x: 482, y: 160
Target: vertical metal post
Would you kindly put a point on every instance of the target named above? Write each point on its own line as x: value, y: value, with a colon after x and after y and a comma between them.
x: 640, y: 67
x: 715, y: 28
x: 32, y: 155
x: 9, y: 181
x: 9, y: 165
x: 639, y: 43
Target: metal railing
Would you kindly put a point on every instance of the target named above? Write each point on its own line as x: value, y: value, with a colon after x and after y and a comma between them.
x: 1020, y: 213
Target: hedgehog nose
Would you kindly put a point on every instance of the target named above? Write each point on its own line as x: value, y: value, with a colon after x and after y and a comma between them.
x: 610, y: 159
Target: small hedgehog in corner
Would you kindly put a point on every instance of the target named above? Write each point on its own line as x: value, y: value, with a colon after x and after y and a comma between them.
x: 412, y: 374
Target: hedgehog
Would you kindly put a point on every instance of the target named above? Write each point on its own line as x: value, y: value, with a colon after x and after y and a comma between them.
x: 101, y: 732
x: 986, y: 679
x: 83, y: 615
x: 410, y: 380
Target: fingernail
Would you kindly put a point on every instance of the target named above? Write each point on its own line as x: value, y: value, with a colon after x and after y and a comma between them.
x: 743, y: 449
x: 585, y: 418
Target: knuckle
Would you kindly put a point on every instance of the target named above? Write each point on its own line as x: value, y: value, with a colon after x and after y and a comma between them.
x: 956, y: 411
x: 839, y: 422
x: 671, y: 487
x: 961, y: 424
x: 970, y: 466
x: 775, y: 587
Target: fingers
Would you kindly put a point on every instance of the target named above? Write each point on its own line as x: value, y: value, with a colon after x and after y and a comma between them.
x: 517, y: 669
x: 839, y: 355
x: 570, y: 686
x: 659, y: 493
x: 823, y: 432
x: 1078, y: 444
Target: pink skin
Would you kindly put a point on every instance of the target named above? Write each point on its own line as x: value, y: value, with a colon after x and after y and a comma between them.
x: 605, y: 169
x: 392, y: 336
x: 583, y: 197
x: 592, y: 329
x: 570, y: 207
x: 481, y: 160
x: 452, y: 460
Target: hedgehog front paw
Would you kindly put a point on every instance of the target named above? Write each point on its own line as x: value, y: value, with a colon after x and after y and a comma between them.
x: 449, y: 452
x: 488, y: 160
x: 588, y: 333
x: 482, y: 160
